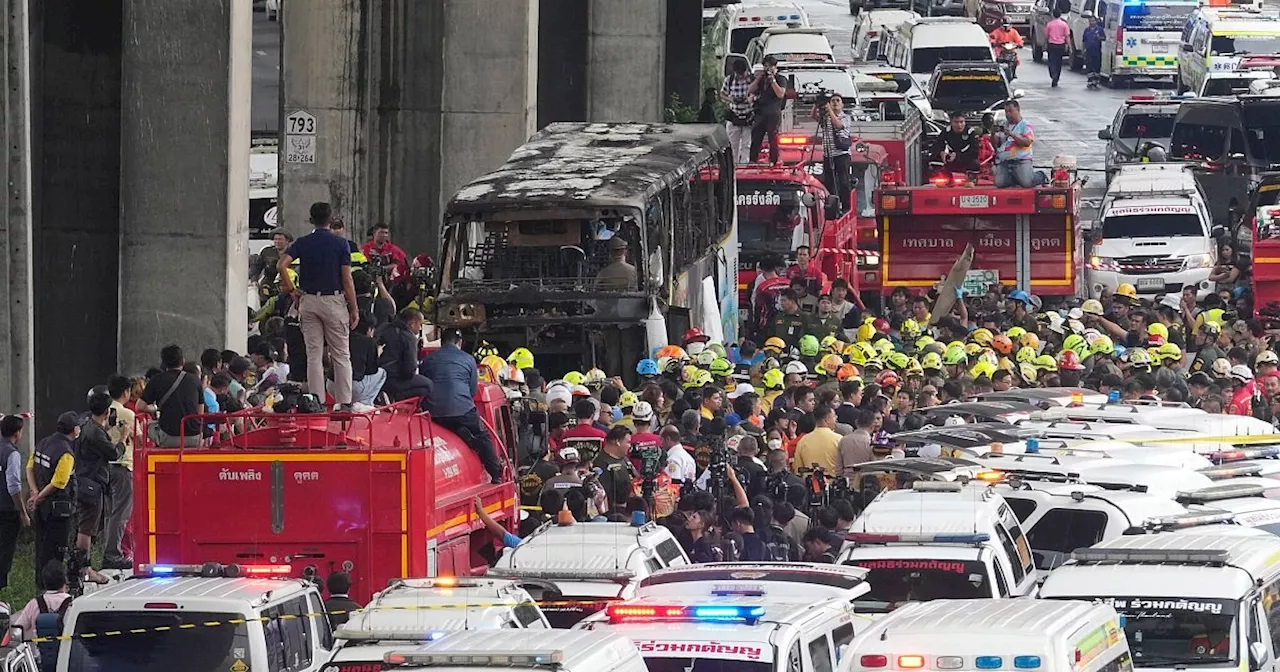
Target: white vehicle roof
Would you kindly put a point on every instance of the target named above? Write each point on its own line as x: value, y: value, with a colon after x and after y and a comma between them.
x: 943, y: 31
x: 795, y: 41
x: 781, y: 581
x: 1241, y: 21
x: 880, y: 18
x: 1179, y: 417
x: 764, y: 13
x: 426, y: 605
x: 1104, y: 471
x: 1137, y: 507
x: 594, y: 558
x: 1251, y: 512
x: 1143, y: 178
x: 1166, y: 456
x: 1058, y: 396
x: 826, y: 76
x: 570, y: 650
x: 1220, y: 562
x: 924, y: 514
x: 976, y: 627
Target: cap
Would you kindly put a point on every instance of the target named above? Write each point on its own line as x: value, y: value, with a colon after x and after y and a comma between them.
x: 1171, y: 301
x: 741, y: 389
x: 642, y: 411
x: 617, y: 243
x: 1200, y: 378
x: 68, y: 421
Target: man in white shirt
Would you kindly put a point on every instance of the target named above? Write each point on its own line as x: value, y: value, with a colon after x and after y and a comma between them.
x: 120, y: 486
x: 681, y: 466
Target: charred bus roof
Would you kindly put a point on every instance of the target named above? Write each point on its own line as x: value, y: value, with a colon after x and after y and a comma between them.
x: 611, y: 165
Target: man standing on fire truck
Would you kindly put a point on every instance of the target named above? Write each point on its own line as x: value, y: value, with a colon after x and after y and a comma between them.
x: 836, y: 141
x: 454, y: 379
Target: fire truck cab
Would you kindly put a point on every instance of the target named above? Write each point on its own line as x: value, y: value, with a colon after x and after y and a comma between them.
x: 379, y: 495
x: 1024, y: 238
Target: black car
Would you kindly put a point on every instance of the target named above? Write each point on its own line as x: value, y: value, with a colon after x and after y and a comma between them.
x: 1230, y: 142
x: 980, y: 411
x: 971, y: 87
x: 1266, y: 193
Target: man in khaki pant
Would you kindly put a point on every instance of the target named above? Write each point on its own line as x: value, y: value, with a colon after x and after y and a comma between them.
x: 326, y: 303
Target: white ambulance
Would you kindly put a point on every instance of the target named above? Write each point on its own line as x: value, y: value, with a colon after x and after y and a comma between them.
x: 736, y: 25
x: 1217, y: 39
x: 479, y: 651
x: 745, y: 617
x: 1023, y: 635
x: 1206, y: 600
x: 1140, y: 39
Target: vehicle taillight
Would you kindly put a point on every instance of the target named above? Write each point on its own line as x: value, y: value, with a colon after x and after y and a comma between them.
x: 1051, y: 202
x: 941, y: 180
x: 959, y: 179
x: 911, y: 662
x: 874, y: 661
x: 160, y: 605
x: 895, y: 202
x: 1119, y: 40
x: 793, y: 139
x: 266, y: 570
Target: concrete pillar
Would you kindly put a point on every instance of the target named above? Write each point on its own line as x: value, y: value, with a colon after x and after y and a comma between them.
x: 184, y: 167
x: 562, y: 61
x: 17, y: 338
x: 626, y: 60
x: 684, y: 53
x: 325, y: 53
x: 75, y: 88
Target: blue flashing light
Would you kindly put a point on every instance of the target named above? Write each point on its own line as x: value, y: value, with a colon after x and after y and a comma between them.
x: 795, y: 17
x: 435, y: 634
x: 1033, y: 446
x: 988, y: 662
x: 727, y: 613
x: 1026, y: 662
x: 782, y: 17
x: 977, y: 538
x: 162, y: 569
x: 1113, y: 396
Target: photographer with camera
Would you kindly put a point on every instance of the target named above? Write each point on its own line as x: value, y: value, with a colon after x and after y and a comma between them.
x: 834, y: 126
x: 94, y: 453
x: 771, y: 95
x: 119, y: 498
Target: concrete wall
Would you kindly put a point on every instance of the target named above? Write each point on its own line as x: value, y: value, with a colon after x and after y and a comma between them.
x: 184, y: 198
x: 626, y: 60
x: 562, y: 61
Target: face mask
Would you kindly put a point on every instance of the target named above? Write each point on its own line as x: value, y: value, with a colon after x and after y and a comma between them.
x: 775, y: 444
x: 616, y: 415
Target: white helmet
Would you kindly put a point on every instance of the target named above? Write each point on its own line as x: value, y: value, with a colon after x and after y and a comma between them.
x: 1241, y: 372
x: 568, y: 455
x: 797, y: 368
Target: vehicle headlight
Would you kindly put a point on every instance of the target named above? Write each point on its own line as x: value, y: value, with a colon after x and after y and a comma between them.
x: 1103, y: 264
x: 1195, y: 261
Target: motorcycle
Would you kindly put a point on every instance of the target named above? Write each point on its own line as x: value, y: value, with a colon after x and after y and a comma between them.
x: 1008, y: 57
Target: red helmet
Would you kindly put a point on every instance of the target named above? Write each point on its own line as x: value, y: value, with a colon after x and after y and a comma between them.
x: 881, y: 325
x: 422, y: 261
x: 1155, y: 341
x: 887, y: 378
x: 1070, y: 361
x: 695, y: 335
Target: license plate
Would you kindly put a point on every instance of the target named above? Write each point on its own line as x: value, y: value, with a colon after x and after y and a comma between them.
x: 1151, y: 283
x: 973, y: 201
x: 1159, y: 48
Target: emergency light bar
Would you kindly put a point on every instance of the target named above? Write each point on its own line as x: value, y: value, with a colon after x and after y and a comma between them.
x: 912, y: 662
x: 475, y: 658
x: 618, y: 575
x: 793, y: 140
x: 621, y: 613
x: 1220, y: 492
x: 1243, y: 454
x: 1185, y: 520
x: 873, y: 538
x: 937, y: 486
x: 1151, y: 556
x: 213, y: 570
x: 387, y: 634
x: 1220, y: 473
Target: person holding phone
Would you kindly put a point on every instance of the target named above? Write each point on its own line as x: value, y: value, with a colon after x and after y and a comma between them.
x: 770, y: 96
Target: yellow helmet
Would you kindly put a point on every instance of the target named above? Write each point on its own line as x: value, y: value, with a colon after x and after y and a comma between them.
x: 1091, y: 307
x: 982, y: 336
x: 1028, y: 372
x: 1169, y: 352
x: 955, y: 355
x: 704, y: 358
x: 1026, y: 355
x: 923, y: 342
x: 1030, y: 340
x: 521, y: 357
x: 897, y: 361
x: 865, y: 332
x: 627, y: 399
x: 1006, y: 364
x: 774, y: 345
x: 574, y: 378
x: 857, y: 354
x: 972, y: 349
x: 1158, y: 329
x: 910, y: 329
x: 914, y: 368
x: 772, y: 379
x: 490, y: 366
x: 883, y: 347
x: 485, y: 349
x: 869, y: 353
x: 594, y: 378
x: 1015, y: 333
x: 828, y: 365
x: 827, y: 342
x: 1127, y: 290
x: 1046, y: 363
x: 982, y: 368
x: 931, y: 360
x: 1102, y: 345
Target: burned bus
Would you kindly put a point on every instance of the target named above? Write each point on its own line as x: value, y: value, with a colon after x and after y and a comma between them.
x: 595, y: 244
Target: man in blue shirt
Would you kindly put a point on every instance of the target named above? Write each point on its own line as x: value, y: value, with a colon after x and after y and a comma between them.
x: 327, y: 308
x: 13, y: 514
x: 455, y: 378
x: 1093, y: 38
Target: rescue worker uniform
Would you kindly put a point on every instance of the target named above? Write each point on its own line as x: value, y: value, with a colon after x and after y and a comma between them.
x: 53, y: 461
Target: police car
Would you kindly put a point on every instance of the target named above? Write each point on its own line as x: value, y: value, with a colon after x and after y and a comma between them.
x: 939, y: 540
x: 193, y: 617
x: 748, y: 617
x: 478, y: 651
x: 735, y: 26
x: 1204, y: 599
x: 1141, y: 119
x: 589, y: 563
x: 424, y: 610
x: 1027, y: 635
x: 1101, y: 470
x: 1246, y: 499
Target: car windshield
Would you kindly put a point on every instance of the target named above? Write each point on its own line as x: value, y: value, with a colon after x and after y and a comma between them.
x: 1152, y: 18
x: 771, y: 219
x: 739, y: 38
x: 704, y: 665
x: 191, y: 649
x: 982, y: 88
x: 926, y: 59
x: 1262, y: 131
x: 1222, y: 45
x: 1268, y: 194
x: 1227, y: 86
x: 1175, y: 632
x: 898, y: 580
x: 902, y: 79
x: 1151, y: 225
x: 1198, y: 142
x: 1140, y: 125
x: 808, y: 83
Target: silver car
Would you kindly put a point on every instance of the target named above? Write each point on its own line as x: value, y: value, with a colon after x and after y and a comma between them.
x: 1139, y: 119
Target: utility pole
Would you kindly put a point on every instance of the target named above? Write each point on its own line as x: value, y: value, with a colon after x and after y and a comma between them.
x: 17, y: 339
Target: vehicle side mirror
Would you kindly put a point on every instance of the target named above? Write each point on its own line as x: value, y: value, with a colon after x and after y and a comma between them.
x: 1218, y: 231
x: 833, y: 206
x: 1236, y: 156
x: 1257, y: 655
x: 1018, y: 93
x: 1105, y: 134
x: 807, y: 200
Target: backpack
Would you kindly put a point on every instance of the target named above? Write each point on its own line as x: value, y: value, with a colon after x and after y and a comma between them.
x: 49, y: 624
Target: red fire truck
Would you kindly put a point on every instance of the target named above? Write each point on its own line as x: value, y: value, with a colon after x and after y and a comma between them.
x: 1024, y: 238
x: 379, y: 495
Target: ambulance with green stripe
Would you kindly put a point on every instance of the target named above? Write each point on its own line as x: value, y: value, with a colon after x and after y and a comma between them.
x: 1207, y: 599
x: 1140, y: 39
x: 992, y: 635
x: 1217, y: 40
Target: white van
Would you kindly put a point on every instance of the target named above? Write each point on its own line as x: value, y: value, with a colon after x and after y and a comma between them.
x: 1140, y: 39
x: 411, y: 611
x: 1097, y: 469
x: 752, y: 617
x: 737, y: 24
x: 1208, y: 427
x: 939, y: 540
x: 1206, y: 600
x: 591, y: 562
x: 480, y: 651
x: 919, y: 45
x: 178, y: 618
x: 872, y: 25
x: 1154, y: 233
x: 791, y: 45
x: 1030, y: 635
x: 1217, y: 39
